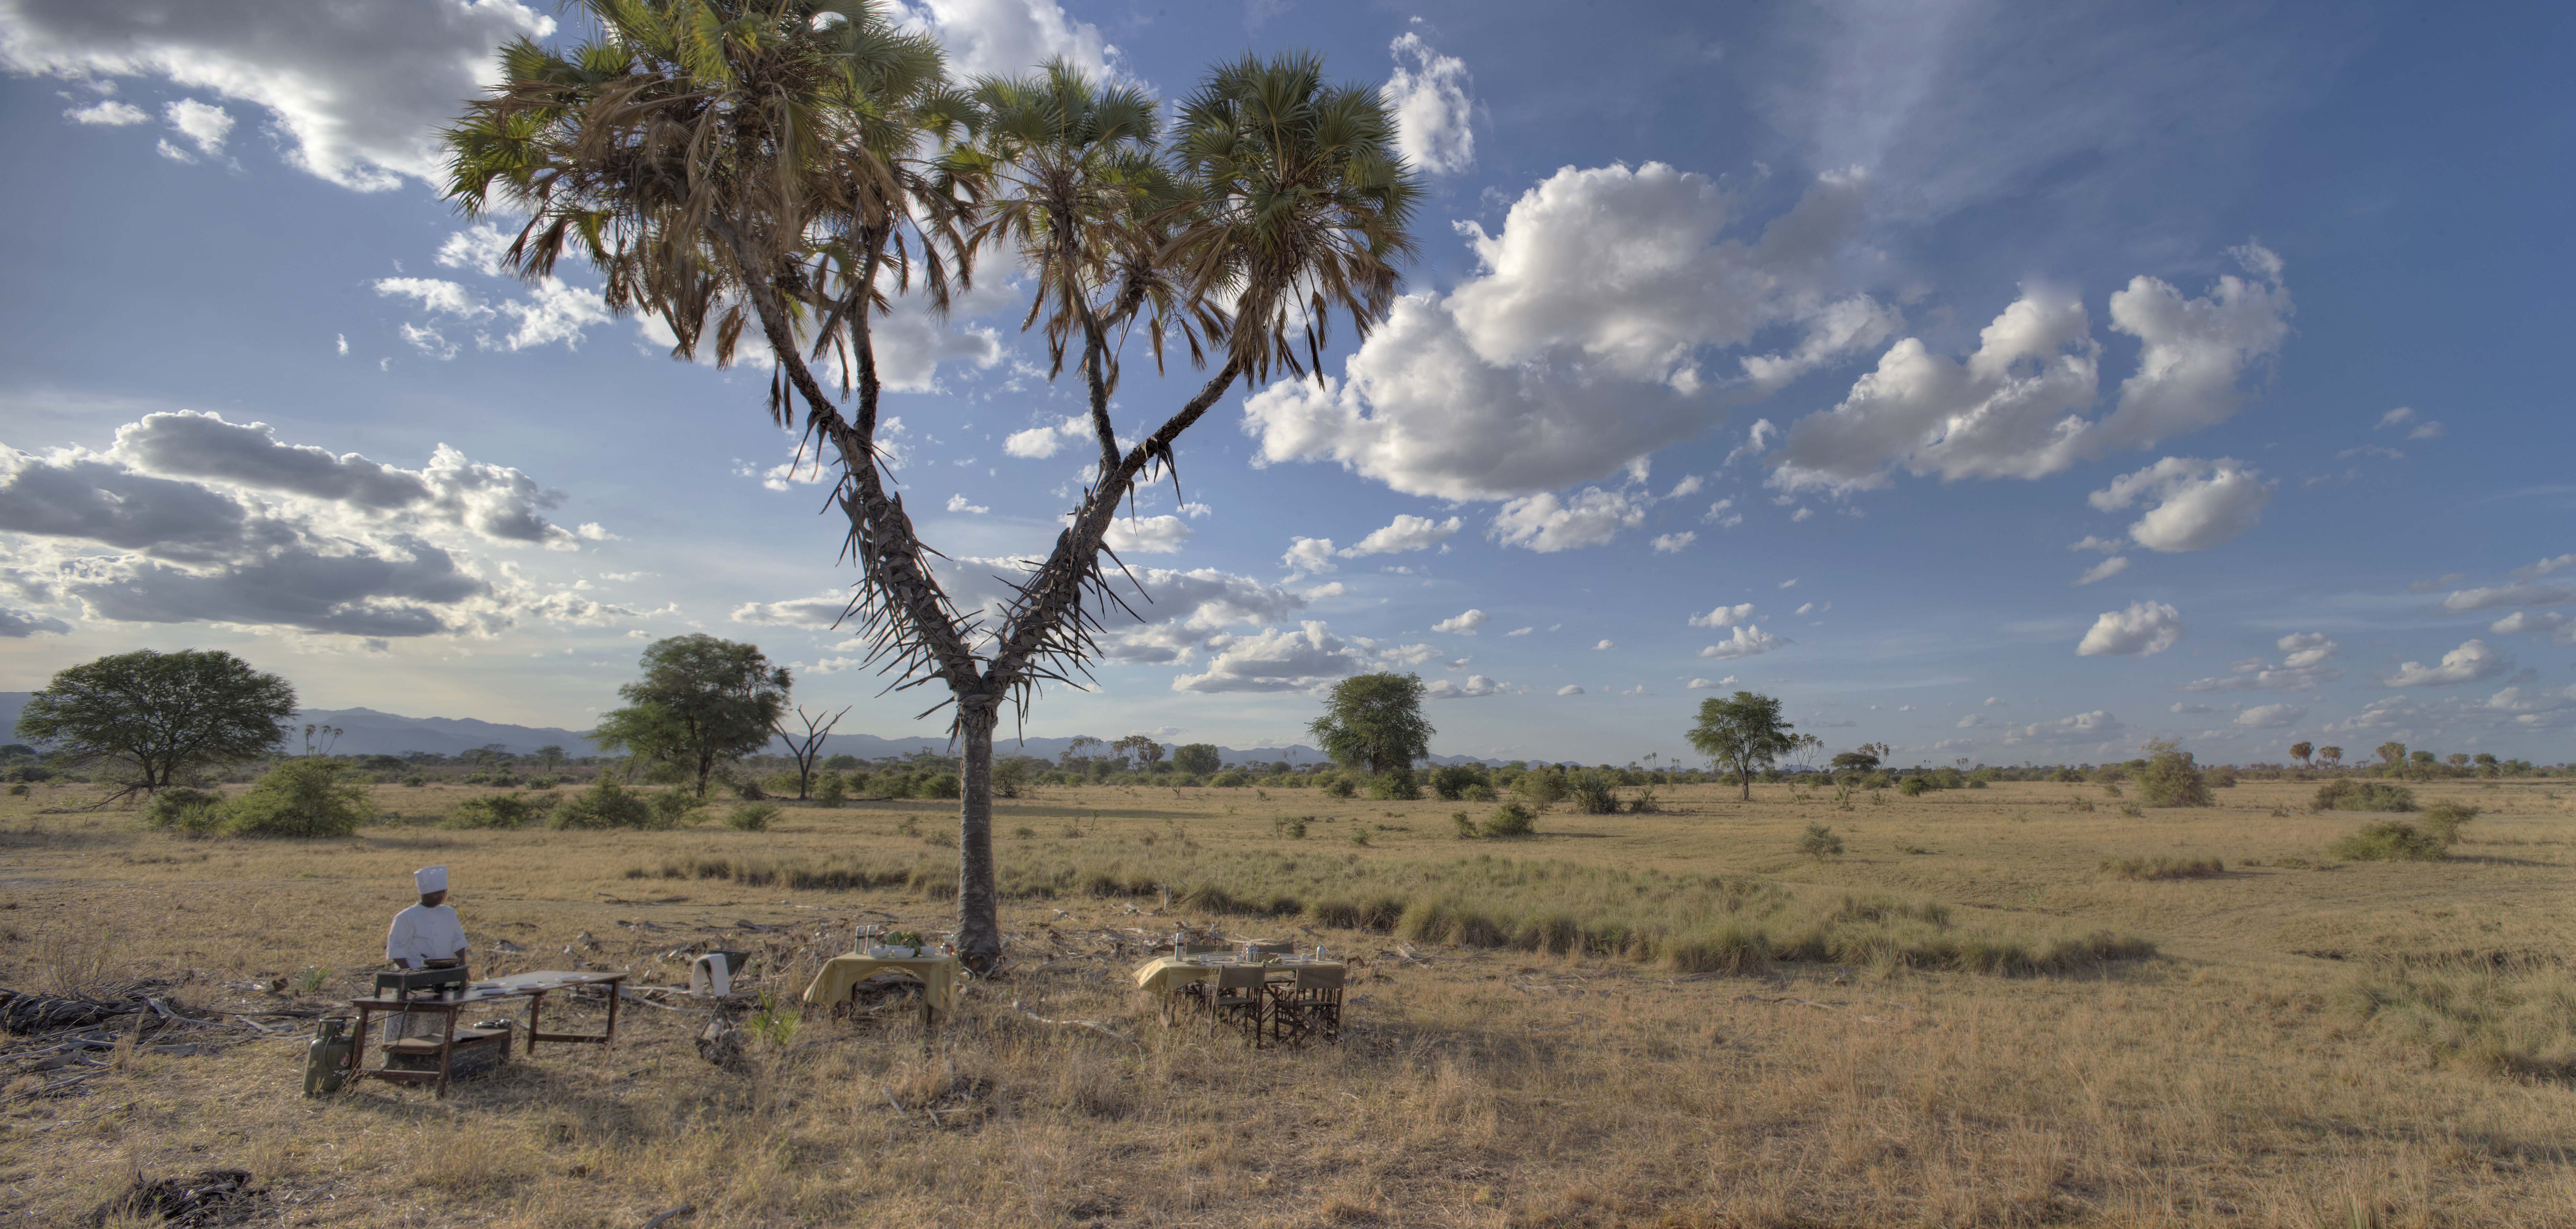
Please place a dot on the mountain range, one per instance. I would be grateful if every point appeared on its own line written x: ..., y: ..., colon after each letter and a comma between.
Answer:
x: 365, y: 731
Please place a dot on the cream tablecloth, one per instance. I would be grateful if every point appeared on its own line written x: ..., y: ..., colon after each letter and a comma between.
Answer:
x: 1165, y: 974
x: 842, y: 974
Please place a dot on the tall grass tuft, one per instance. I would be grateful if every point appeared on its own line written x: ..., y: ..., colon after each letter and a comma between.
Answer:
x: 2515, y: 1019
x: 2161, y: 867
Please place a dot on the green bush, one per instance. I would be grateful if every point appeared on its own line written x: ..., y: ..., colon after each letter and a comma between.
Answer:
x: 2443, y: 820
x: 1510, y: 820
x: 1231, y: 779
x: 415, y: 780
x: 1452, y: 781
x: 1594, y: 792
x: 673, y: 808
x: 830, y: 789
x: 2356, y: 794
x: 2393, y: 841
x: 2171, y: 778
x: 299, y: 798
x: 1819, y: 841
x: 1479, y: 792
x: 1543, y: 785
x: 190, y: 812
x: 1340, y: 786
x: 1914, y: 787
x: 1467, y: 830
x: 1395, y: 785
x: 606, y: 804
x: 511, y: 810
x: 943, y: 785
x: 751, y: 816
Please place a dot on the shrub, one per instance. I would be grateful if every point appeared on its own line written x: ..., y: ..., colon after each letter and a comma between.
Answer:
x: 606, y: 804
x: 190, y: 812
x: 1231, y: 778
x: 1452, y: 781
x: 2163, y: 868
x: 2171, y: 778
x: 673, y: 808
x: 1819, y: 841
x: 2355, y: 794
x: 511, y: 810
x: 1394, y: 785
x: 1914, y: 787
x: 415, y: 780
x: 1466, y: 826
x: 1644, y: 803
x: 2393, y: 841
x: 1594, y: 792
x: 1510, y: 820
x: 1339, y: 786
x: 2443, y: 820
x: 1542, y: 785
x: 1479, y: 792
x: 299, y: 798
x: 751, y: 816
x: 831, y: 789
x: 943, y: 785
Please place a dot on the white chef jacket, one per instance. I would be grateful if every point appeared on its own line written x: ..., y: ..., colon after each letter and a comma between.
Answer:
x: 423, y: 933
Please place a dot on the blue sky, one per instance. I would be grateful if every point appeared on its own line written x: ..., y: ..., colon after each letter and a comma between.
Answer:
x: 1999, y: 382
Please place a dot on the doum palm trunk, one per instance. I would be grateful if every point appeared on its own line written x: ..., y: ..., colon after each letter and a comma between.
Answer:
x: 979, y: 928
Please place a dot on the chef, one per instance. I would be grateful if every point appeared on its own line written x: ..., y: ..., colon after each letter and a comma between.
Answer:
x: 427, y: 935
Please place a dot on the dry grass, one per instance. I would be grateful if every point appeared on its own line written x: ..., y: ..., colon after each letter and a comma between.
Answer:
x: 2366, y: 1043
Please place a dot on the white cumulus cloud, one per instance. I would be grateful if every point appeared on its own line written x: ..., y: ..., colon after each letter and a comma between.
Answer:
x: 2198, y: 504
x: 2016, y: 407
x: 1547, y: 524
x: 1711, y: 684
x: 1724, y: 616
x: 1746, y: 640
x: 1672, y: 543
x: 2472, y: 662
x: 1405, y: 533
x: 1463, y: 624
x: 1427, y: 91
x: 2144, y: 628
x: 2104, y: 570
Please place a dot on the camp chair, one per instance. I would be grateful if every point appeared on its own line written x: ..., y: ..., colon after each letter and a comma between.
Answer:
x: 1193, y: 995
x: 1240, y: 1001
x: 1308, y: 1007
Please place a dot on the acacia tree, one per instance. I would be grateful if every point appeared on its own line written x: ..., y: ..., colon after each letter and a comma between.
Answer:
x: 1374, y: 722
x: 701, y: 702
x: 787, y: 166
x: 2303, y: 753
x: 1743, y: 733
x: 158, y: 715
x: 1141, y: 748
x: 2333, y: 756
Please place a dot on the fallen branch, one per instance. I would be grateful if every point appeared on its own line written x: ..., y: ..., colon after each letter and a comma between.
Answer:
x: 674, y: 1214
x: 1094, y: 1025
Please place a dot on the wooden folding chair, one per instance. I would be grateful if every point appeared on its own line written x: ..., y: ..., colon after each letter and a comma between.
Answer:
x: 1308, y: 1007
x: 1193, y: 995
x: 1240, y: 1001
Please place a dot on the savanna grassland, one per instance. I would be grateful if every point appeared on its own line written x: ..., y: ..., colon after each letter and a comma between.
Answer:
x: 1993, y: 1008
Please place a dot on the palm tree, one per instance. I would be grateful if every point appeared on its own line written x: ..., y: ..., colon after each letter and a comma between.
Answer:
x: 774, y: 163
x: 2301, y: 752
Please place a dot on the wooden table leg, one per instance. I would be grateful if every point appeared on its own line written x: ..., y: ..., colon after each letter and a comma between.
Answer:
x: 358, y: 1047
x: 536, y: 1003
x: 611, y: 1035
x: 446, y: 1051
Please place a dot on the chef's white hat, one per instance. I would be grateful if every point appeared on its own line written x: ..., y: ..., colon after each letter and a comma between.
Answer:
x: 430, y: 879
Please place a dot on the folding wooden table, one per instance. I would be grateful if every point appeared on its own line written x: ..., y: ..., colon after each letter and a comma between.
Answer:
x: 530, y: 986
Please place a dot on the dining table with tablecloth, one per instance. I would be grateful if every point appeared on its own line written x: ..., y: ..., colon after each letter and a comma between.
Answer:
x: 840, y: 976
x: 1167, y: 974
